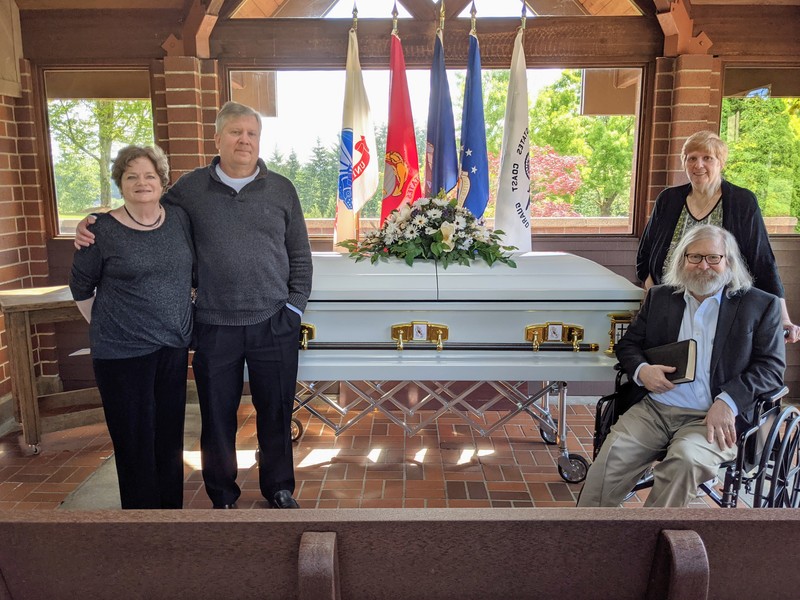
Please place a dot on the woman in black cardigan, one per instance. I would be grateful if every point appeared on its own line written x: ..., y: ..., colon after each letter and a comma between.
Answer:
x: 708, y: 199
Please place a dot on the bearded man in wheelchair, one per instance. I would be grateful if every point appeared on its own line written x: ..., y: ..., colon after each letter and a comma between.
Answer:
x: 708, y: 296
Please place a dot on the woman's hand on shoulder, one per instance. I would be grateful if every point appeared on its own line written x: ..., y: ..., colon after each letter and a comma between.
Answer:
x: 791, y: 332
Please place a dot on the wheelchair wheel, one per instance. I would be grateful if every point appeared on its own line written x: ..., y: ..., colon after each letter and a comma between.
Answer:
x: 785, y: 488
x: 777, y: 482
x: 576, y: 472
x: 297, y: 429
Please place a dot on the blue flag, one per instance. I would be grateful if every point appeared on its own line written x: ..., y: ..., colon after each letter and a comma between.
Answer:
x: 473, y: 181
x: 441, y: 161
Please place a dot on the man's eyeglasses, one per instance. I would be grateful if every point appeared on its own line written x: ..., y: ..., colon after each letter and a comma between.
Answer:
x: 711, y: 259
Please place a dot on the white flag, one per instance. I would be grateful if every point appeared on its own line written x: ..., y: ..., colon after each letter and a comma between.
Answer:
x: 513, y: 210
x: 358, y: 156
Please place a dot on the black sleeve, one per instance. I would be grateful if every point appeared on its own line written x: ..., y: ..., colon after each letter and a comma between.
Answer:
x: 87, y: 269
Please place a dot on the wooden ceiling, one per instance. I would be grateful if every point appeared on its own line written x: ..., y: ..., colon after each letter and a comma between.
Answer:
x: 311, y: 8
x: 56, y: 31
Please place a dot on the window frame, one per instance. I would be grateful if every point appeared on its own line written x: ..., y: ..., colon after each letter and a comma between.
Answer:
x: 641, y: 160
x: 733, y: 63
x: 42, y: 126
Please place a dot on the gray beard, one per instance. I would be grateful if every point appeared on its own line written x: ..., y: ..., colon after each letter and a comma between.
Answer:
x: 706, y: 283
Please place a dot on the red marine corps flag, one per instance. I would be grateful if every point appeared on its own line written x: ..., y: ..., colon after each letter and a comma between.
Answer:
x: 358, y: 161
x: 401, y: 172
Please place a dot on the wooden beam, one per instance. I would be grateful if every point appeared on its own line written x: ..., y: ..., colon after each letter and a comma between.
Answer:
x: 647, y: 7
x: 198, y: 25
x: 741, y: 32
x: 420, y: 9
x: 678, y: 28
x: 76, y: 36
x: 229, y: 7
x: 304, y: 8
x: 549, y: 41
x: 453, y: 8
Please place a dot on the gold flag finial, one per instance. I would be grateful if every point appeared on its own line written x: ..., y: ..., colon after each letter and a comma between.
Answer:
x: 473, y: 20
x: 355, y: 17
x: 524, y: 17
x: 394, y: 18
x: 441, y: 16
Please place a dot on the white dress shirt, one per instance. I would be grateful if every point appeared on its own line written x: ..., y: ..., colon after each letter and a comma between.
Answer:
x: 699, y: 323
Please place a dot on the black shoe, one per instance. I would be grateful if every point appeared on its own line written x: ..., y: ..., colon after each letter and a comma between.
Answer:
x: 232, y: 505
x: 283, y: 499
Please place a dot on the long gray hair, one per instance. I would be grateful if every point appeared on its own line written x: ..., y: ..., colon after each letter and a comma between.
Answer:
x: 739, y: 278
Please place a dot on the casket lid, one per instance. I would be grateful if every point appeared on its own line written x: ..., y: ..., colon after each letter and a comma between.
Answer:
x: 539, y: 276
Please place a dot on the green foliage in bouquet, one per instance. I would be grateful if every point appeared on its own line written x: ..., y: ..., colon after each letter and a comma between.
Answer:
x: 432, y: 228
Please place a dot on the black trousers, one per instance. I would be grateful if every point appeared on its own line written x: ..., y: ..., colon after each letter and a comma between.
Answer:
x: 144, y: 401
x: 270, y: 349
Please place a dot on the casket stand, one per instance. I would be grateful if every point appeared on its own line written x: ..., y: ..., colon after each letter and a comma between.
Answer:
x: 372, y: 333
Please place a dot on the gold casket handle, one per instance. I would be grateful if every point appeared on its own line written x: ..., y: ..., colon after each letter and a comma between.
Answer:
x: 307, y: 332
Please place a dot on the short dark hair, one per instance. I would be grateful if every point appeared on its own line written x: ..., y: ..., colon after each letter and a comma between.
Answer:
x: 130, y: 153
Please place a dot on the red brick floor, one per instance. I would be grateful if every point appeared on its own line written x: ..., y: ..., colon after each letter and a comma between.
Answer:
x: 373, y: 464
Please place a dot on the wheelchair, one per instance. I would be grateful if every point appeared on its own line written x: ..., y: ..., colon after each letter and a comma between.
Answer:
x: 767, y: 464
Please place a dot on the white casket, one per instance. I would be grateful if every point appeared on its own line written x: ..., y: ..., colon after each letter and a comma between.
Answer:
x: 374, y: 330
x: 485, y: 311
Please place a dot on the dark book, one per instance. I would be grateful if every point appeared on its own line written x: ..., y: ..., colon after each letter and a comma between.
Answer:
x: 681, y: 355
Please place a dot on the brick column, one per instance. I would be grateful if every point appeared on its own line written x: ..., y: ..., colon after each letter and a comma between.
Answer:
x: 23, y: 255
x: 687, y: 100
x: 190, y: 104
x: 692, y: 106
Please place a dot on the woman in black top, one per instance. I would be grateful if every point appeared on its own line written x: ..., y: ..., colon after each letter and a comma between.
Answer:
x: 709, y: 199
x: 134, y: 287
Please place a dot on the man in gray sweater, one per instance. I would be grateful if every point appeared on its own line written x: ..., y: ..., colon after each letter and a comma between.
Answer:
x: 253, y: 282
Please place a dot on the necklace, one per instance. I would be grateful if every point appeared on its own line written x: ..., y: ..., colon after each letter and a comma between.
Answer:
x: 153, y: 224
x: 707, y: 203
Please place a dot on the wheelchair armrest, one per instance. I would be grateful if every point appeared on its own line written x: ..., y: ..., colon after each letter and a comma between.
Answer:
x: 766, y: 404
x: 769, y: 399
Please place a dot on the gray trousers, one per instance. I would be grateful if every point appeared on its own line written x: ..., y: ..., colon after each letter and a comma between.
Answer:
x: 641, y: 436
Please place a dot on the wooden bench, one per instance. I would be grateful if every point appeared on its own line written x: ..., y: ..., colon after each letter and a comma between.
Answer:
x: 400, y: 554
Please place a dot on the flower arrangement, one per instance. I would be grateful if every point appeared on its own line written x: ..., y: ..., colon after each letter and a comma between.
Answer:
x: 432, y: 228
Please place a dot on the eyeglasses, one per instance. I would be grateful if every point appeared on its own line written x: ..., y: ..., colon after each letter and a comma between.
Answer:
x: 711, y: 259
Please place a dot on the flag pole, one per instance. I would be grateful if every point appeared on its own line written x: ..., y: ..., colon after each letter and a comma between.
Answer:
x: 524, y: 17
x: 356, y: 213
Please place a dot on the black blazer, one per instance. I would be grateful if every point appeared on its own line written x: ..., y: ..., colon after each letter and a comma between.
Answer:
x: 740, y: 215
x: 749, y: 354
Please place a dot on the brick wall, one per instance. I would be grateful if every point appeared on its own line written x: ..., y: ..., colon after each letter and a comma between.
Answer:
x: 187, y: 101
x: 687, y: 100
x: 23, y: 256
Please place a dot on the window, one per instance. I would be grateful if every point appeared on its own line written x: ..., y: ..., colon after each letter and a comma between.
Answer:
x: 761, y: 124
x: 91, y: 115
x: 583, y: 136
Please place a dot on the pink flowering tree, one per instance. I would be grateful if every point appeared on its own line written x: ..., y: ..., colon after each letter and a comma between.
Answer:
x: 554, y: 181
